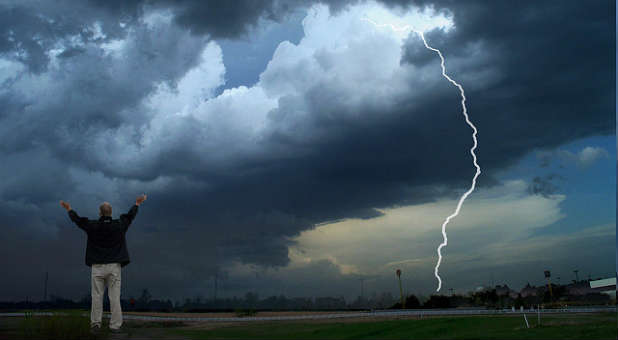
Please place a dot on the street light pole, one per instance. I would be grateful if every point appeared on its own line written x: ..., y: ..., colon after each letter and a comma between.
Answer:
x: 403, y: 302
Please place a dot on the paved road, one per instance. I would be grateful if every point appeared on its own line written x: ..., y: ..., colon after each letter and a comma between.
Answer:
x: 375, y: 313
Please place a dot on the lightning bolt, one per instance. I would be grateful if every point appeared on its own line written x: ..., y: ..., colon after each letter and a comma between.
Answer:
x: 465, y: 113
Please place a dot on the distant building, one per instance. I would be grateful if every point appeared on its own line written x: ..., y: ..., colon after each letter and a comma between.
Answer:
x: 578, y: 288
x: 528, y: 290
x: 505, y: 290
x: 330, y: 303
x: 605, y: 286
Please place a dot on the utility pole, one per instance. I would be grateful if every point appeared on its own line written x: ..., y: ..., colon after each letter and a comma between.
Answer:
x: 216, y: 274
x: 548, y: 275
x: 45, y: 291
x: 362, y: 292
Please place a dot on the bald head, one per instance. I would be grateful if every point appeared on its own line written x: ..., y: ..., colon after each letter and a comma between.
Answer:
x: 105, y: 209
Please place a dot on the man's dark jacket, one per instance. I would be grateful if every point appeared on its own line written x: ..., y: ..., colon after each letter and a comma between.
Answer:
x: 106, y: 241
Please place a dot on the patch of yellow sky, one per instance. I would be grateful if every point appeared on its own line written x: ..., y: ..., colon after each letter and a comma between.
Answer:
x: 408, y: 236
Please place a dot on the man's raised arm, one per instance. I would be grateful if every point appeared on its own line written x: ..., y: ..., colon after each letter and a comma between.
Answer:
x: 127, y: 218
x: 81, y: 222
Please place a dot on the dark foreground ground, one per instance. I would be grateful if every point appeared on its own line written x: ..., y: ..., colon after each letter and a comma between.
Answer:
x: 567, y: 326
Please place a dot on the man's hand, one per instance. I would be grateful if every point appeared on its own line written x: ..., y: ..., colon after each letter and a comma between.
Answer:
x: 65, y: 205
x: 140, y: 199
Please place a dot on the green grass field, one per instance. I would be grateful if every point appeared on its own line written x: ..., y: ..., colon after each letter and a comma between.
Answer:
x: 72, y: 325
x: 599, y: 326
x: 565, y: 326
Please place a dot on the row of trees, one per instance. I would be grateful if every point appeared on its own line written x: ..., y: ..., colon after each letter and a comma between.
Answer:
x: 488, y: 298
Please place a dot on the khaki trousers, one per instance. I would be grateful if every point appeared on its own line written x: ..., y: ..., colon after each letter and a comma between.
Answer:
x: 106, y: 275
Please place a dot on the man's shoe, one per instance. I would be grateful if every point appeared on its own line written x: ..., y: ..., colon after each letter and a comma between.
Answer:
x: 95, y: 329
x: 115, y: 330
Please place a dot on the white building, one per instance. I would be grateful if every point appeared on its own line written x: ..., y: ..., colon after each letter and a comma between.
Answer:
x: 605, y: 286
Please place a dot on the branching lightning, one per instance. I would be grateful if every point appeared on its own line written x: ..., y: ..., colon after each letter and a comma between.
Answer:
x: 465, y: 113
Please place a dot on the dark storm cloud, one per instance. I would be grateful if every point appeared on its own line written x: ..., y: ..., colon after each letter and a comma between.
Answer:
x: 543, y: 89
x: 548, y: 84
x: 29, y: 29
x: 226, y: 19
x: 536, y: 80
x: 217, y: 19
x: 94, y: 90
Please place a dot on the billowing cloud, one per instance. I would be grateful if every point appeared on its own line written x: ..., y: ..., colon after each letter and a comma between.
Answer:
x: 583, y: 159
x: 591, y: 154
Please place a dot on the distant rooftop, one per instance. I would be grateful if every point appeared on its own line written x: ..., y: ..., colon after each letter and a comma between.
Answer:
x: 604, y: 283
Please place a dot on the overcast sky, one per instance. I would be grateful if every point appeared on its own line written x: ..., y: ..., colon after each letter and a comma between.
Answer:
x: 293, y: 147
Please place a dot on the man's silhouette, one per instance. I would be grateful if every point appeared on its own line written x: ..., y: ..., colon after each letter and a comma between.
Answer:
x: 106, y: 254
